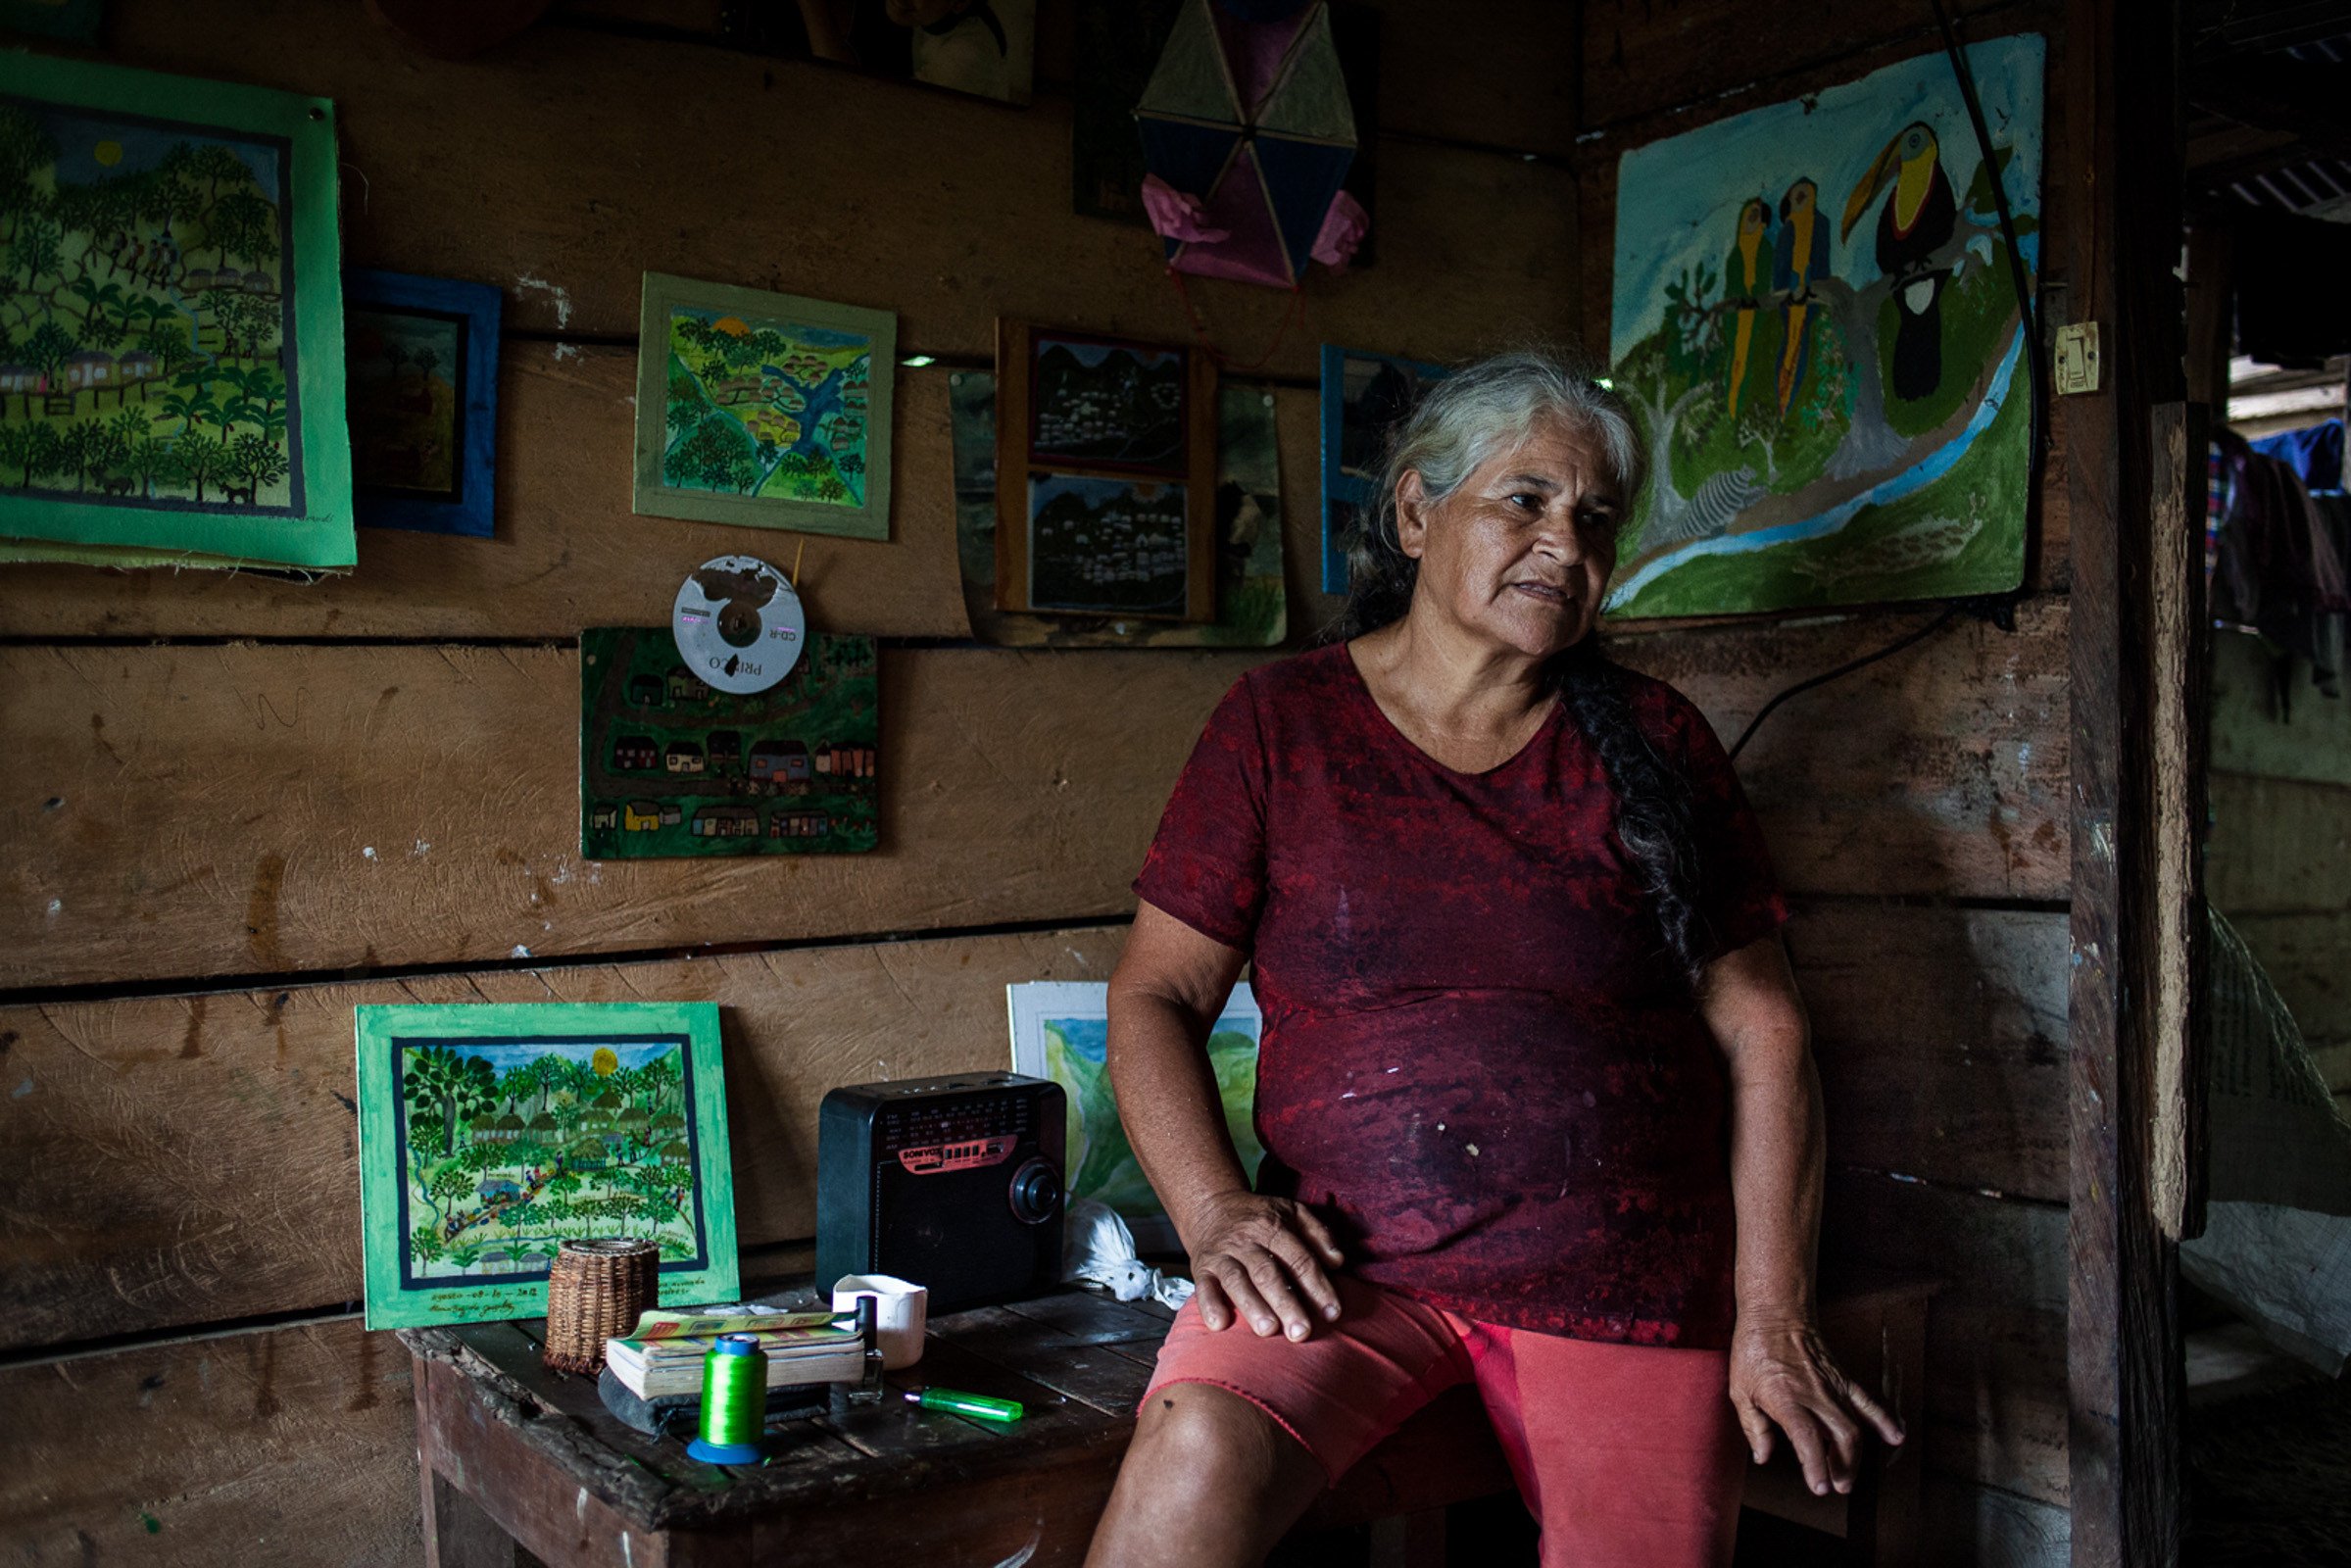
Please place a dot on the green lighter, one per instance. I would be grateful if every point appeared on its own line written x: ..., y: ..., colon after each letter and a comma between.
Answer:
x: 962, y: 1403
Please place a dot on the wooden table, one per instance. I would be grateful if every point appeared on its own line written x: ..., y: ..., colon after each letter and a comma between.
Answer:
x: 514, y: 1454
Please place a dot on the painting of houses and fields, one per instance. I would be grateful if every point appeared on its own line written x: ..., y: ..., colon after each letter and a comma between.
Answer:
x: 672, y: 766
x: 762, y: 408
x: 151, y: 348
x: 491, y: 1135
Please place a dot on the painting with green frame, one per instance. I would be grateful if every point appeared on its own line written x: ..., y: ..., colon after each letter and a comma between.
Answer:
x: 169, y: 244
x: 491, y: 1133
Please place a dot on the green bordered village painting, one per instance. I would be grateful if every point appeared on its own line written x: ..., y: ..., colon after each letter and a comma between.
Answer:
x: 499, y: 1133
x: 769, y: 410
x: 1061, y: 1030
x: 153, y: 358
x: 670, y: 766
x: 1817, y: 325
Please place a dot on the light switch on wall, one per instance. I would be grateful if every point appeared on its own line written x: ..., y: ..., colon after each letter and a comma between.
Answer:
x: 2077, y: 368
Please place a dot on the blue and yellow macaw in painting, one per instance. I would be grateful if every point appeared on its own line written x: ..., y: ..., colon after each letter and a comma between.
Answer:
x: 1744, y: 287
x: 1916, y: 223
x: 1800, y: 261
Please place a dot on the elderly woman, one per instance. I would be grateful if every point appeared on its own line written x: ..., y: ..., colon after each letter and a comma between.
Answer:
x: 1534, y: 1092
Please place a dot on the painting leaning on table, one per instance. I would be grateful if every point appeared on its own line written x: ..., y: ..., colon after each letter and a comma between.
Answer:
x: 490, y: 1134
x: 1061, y: 1030
x: 1816, y: 324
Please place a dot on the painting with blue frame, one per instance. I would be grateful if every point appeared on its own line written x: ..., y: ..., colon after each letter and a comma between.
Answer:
x: 1363, y: 395
x: 422, y: 354
x: 1817, y: 324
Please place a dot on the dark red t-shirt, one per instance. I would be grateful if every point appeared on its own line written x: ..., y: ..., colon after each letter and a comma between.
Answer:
x: 1478, y: 1060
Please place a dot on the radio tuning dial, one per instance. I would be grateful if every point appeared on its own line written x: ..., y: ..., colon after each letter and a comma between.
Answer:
x: 1035, y: 1192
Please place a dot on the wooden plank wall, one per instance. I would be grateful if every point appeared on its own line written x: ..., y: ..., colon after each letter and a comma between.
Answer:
x: 2279, y: 860
x: 1935, y: 968
x: 237, y: 806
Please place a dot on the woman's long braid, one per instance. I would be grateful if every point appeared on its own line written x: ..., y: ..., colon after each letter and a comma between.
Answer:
x: 1654, y: 817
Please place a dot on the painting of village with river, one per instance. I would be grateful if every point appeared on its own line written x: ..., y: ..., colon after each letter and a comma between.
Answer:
x: 1817, y: 326
x: 148, y: 328
x: 671, y: 766
x: 490, y: 1134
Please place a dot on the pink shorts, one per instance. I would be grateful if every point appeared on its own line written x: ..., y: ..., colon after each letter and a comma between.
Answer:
x: 1628, y: 1455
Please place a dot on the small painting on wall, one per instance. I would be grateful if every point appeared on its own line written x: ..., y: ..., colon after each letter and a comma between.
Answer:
x: 1363, y: 396
x: 173, y: 391
x: 1061, y: 1030
x: 763, y: 410
x: 422, y: 358
x: 1105, y: 476
x: 672, y: 767
x: 492, y: 1133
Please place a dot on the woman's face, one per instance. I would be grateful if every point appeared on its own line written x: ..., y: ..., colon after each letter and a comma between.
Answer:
x: 1519, y: 554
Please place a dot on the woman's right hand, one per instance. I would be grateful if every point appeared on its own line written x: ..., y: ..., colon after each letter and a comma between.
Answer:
x: 1261, y: 1260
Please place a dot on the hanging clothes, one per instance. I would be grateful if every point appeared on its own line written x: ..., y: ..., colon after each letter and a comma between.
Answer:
x: 2279, y: 567
x: 2314, y: 453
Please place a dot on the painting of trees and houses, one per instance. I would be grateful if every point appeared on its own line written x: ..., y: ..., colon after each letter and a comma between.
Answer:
x: 671, y: 766
x: 508, y: 1148
x: 759, y: 407
x: 147, y: 320
x: 1816, y: 324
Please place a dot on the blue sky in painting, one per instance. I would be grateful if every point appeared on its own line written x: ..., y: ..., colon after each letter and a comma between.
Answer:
x: 507, y: 1055
x: 1678, y: 200
x: 77, y: 134
x: 1089, y: 1038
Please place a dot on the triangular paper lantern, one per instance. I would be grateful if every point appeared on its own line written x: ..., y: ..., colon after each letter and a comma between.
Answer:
x: 1256, y: 88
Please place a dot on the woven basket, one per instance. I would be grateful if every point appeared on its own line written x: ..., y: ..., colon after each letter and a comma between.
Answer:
x: 597, y: 1291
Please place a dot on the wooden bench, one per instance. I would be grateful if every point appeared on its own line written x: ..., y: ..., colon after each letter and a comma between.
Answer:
x: 514, y: 1454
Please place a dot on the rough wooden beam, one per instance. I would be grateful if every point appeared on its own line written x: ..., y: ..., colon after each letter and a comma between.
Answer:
x: 2124, y: 1357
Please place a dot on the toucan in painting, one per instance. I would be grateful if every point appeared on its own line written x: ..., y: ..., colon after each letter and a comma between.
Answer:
x: 1915, y: 224
x: 1800, y: 261
x: 1744, y: 287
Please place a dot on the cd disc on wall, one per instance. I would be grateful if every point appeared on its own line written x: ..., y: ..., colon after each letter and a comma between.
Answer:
x: 739, y: 624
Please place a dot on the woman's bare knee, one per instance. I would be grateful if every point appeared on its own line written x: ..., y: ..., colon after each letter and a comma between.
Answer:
x: 1210, y: 1479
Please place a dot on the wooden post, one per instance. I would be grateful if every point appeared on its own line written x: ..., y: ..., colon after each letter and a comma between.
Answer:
x: 2121, y: 166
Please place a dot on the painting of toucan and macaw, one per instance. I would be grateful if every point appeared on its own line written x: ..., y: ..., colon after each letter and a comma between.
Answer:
x: 1816, y: 324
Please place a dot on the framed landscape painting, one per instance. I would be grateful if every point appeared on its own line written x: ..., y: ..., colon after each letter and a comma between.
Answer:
x: 171, y: 322
x: 423, y: 356
x: 1061, y: 1030
x: 763, y: 410
x: 1105, y: 476
x: 492, y: 1133
x: 1363, y: 396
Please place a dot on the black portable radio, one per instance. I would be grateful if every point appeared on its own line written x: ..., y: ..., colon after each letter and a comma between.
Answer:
x: 953, y: 1184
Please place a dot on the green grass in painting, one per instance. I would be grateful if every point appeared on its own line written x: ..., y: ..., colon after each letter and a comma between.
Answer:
x: 755, y: 409
x: 1098, y: 1152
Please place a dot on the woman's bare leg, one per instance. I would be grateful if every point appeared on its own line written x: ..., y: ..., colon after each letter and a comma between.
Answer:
x: 1210, y: 1482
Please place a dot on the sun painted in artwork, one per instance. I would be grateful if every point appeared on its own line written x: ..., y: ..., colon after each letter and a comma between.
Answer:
x: 145, y: 315
x: 769, y: 409
x: 508, y: 1148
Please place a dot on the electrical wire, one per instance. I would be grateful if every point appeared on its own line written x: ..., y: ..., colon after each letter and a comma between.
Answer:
x: 1866, y: 659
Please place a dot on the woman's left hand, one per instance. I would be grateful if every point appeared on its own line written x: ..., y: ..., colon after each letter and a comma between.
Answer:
x: 1781, y: 1374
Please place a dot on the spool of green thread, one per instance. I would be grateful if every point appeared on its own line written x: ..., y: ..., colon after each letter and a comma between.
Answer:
x: 734, y: 1402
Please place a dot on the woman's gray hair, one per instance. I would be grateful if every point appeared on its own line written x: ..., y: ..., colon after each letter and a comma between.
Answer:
x: 1488, y: 407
